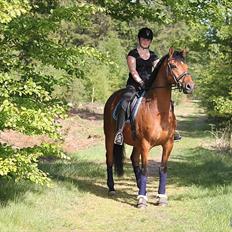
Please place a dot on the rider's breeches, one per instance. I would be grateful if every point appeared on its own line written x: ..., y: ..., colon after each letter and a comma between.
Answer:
x: 121, y: 120
x: 128, y: 94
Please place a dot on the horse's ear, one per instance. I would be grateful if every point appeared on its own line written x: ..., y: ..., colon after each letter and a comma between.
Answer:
x: 184, y: 52
x: 171, y: 51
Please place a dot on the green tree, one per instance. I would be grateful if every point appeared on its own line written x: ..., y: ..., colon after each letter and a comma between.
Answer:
x: 33, y: 64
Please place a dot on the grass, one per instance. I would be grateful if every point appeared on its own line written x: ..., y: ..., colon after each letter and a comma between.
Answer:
x: 199, y: 189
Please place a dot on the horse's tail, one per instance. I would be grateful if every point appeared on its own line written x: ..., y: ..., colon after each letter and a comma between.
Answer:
x: 119, y: 154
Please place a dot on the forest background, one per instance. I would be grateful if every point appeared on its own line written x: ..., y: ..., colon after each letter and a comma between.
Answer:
x: 60, y: 53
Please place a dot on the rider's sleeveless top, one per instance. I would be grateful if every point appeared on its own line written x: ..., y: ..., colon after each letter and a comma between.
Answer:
x: 143, y: 67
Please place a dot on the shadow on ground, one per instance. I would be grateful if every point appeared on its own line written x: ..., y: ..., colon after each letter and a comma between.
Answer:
x: 194, y: 126
x: 200, y: 167
x: 90, y: 177
x: 13, y: 191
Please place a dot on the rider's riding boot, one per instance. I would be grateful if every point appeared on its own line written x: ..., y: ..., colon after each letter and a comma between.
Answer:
x: 120, y: 125
x: 177, y: 136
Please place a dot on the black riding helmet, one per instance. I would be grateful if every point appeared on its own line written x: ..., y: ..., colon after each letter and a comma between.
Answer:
x: 145, y: 33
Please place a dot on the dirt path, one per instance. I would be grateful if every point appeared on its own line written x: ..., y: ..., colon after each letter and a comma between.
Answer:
x: 80, y: 130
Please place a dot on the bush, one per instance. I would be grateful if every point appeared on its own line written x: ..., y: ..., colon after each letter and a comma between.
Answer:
x: 223, y: 138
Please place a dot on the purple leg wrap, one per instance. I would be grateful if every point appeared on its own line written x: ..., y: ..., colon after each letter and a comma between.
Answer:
x: 110, y: 180
x: 162, y: 180
x: 143, y: 185
x: 137, y: 172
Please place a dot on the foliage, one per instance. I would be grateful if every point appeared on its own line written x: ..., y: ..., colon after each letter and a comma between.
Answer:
x: 215, y: 91
x: 102, y: 80
x: 128, y: 10
x: 12, y: 9
x: 33, y: 65
x: 18, y: 164
x: 223, y: 138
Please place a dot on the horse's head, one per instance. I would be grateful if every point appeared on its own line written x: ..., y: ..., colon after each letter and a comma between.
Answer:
x: 177, y: 71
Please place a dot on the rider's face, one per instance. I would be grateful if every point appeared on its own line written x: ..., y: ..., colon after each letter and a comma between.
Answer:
x: 144, y: 43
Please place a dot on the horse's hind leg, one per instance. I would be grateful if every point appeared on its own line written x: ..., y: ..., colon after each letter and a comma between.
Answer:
x: 109, y: 163
x: 135, y: 156
x: 162, y: 197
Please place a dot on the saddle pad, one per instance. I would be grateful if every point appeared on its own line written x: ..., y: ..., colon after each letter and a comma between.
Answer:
x: 132, y: 108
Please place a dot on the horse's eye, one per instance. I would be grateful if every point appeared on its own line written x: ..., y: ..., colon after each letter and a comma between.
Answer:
x: 173, y: 65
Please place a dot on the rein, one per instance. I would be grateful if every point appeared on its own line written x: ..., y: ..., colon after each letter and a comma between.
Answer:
x: 177, y: 79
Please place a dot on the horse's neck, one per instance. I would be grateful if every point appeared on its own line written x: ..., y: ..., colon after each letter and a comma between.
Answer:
x: 160, y: 92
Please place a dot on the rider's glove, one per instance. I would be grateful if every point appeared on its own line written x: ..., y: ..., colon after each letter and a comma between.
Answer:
x: 142, y: 84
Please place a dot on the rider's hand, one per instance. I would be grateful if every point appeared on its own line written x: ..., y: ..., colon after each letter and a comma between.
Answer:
x: 142, y: 84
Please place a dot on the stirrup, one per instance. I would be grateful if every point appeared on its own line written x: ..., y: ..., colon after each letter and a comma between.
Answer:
x: 118, y: 138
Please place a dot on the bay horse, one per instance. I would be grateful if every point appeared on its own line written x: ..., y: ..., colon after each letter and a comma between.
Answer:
x: 155, y: 125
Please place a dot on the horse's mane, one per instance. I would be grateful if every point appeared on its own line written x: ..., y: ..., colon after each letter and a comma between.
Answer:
x: 157, y: 68
x: 176, y: 55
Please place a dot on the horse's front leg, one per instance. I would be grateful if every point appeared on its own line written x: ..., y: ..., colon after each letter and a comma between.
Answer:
x: 161, y: 199
x: 142, y: 194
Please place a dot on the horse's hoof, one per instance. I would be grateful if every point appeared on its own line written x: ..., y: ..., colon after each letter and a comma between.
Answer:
x: 111, y: 193
x: 142, y: 202
x: 161, y: 200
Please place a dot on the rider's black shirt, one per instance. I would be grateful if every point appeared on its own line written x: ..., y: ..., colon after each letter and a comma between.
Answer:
x: 143, y: 67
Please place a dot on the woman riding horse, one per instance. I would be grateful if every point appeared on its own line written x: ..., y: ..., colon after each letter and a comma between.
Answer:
x: 141, y: 62
x: 155, y: 124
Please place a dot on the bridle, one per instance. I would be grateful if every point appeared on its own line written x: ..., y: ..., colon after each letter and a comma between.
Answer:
x: 178, y: 83
x: 177, y: 79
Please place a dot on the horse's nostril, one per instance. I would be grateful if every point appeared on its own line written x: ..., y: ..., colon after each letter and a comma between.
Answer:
x: 188, y: 87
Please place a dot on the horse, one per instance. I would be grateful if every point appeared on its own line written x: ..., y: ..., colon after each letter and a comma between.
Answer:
x: 155, y: 125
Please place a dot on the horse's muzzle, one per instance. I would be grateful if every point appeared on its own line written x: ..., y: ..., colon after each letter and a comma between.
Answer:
x: 188, y: 88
